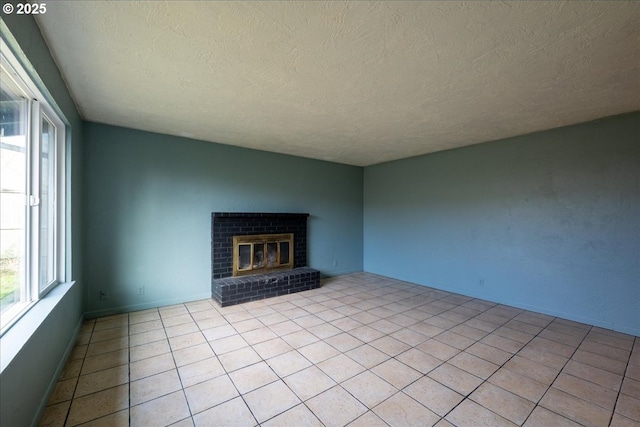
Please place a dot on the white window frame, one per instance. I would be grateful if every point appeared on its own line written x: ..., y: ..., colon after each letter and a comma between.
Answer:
x: 38, y: 107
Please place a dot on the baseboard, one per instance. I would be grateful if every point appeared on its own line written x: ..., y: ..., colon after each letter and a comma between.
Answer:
x: 54, y: 380
x: 627, y: 329
x: 144, y: 306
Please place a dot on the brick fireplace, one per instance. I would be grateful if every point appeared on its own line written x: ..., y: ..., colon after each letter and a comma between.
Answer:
x: 229, y: 290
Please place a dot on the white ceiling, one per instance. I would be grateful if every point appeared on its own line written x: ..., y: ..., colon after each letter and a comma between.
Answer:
x: 352, y: 82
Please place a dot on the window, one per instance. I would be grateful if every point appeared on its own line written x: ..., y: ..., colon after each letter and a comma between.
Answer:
x: 32, y: 187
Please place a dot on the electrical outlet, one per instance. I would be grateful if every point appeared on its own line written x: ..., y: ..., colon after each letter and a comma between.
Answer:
x: 104, y: 295
x: 141, y: 290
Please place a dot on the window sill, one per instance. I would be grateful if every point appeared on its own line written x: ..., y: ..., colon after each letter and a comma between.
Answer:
x: 17, y: 336
x: 13, y: 314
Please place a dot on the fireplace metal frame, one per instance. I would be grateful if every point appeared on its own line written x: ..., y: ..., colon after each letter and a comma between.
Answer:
x: 264, y: 239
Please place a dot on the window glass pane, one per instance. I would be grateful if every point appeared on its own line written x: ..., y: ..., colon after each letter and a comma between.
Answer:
x: 258, y: 255
x: 13, y: 185
x: 272, y: 254
x: 244, y: 257
x: 284, y: 252
x: 47, y: 204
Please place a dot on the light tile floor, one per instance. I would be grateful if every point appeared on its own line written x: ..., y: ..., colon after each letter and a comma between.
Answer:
x: 363, y: 350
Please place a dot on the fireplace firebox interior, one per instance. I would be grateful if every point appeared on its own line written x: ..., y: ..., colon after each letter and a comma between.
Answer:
x: 262, y: 252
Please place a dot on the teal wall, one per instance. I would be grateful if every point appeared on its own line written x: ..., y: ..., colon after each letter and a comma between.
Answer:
x: 27, y: 378
x: 548, y: 221
x: 149, y: 199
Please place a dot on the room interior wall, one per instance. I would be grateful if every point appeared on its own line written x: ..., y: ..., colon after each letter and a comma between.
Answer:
x: 546, y: 221
x: 47, y: 332
x: 149, y: 199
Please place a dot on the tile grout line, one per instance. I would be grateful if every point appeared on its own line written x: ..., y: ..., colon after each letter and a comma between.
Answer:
x: 79, y: 374
x: 468, y: 396
x: 537, y: 404
x: 240, y: 395
x: 422, y: 375
x: 182, y: 388
x: 624, y: 375
x: 302, y: 402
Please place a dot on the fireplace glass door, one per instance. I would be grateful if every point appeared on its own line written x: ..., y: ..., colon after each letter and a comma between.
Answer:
x: 258, y: 253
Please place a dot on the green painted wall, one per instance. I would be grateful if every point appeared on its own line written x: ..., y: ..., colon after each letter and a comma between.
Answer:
x: 149, y: 199
x: 548, y: 221
x: 27, y: 379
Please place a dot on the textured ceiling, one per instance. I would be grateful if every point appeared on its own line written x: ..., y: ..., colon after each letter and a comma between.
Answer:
x: 351, y: 82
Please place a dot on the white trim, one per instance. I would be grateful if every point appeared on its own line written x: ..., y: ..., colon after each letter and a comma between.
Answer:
x: 33, y: 208
x: 60, y: 179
